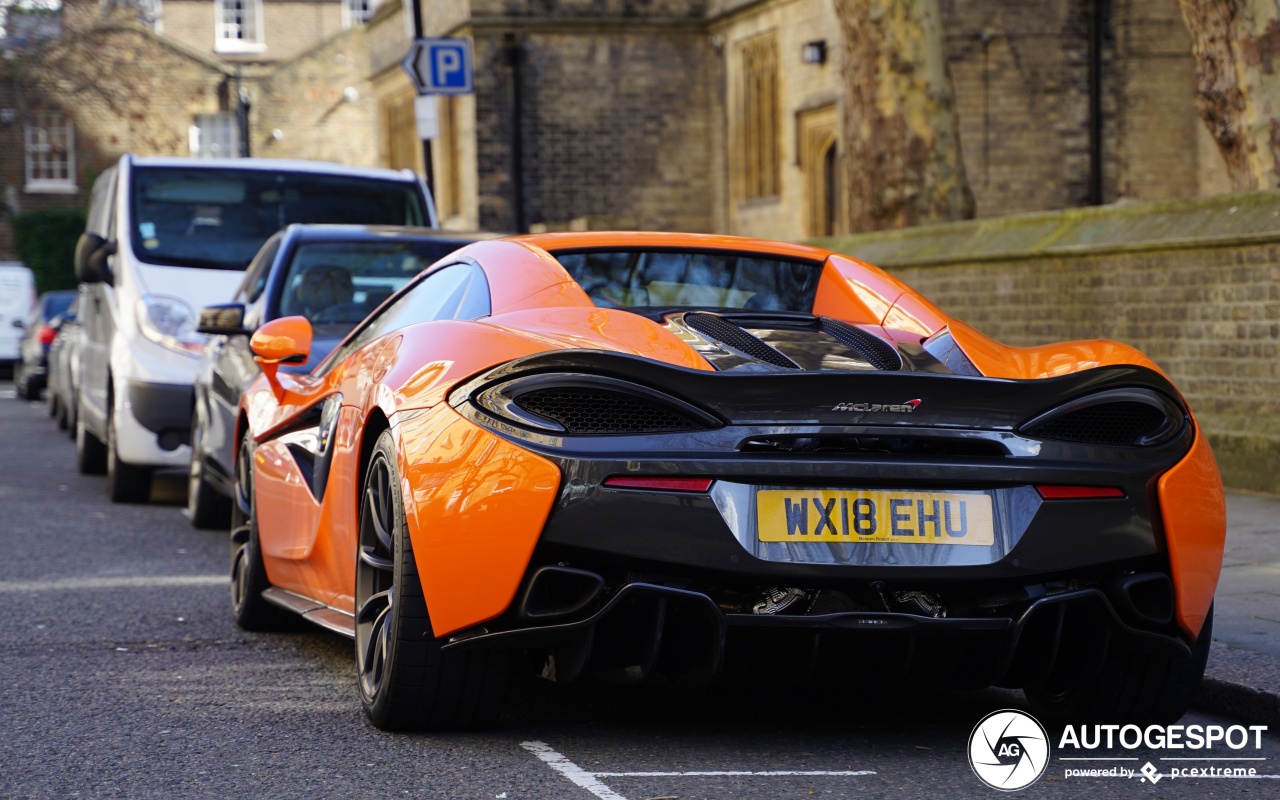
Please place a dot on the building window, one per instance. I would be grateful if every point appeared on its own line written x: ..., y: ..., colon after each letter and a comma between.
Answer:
x: 760, y: 117
x: 356, y: 12
x: 238, y: 27
x: 215, y: 136
x: 50, y: 152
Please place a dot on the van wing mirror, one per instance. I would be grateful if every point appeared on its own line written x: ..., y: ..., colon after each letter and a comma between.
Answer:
x: 91, y: 259
x: 226, y: 319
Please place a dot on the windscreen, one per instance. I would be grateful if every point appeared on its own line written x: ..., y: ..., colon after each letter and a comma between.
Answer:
x: 698, y: 279
x: 218, y: 218
x: 337, y: 284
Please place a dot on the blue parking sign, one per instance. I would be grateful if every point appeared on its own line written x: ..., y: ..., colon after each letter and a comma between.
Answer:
x: 440, y: 66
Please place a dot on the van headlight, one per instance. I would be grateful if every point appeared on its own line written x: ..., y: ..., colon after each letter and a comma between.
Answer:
x: 169, y: 322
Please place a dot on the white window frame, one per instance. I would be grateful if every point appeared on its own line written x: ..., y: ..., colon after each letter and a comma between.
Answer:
x: 357, y: 12
x: 41, y: 155
x: 245, y: 36
x: 226, y: 130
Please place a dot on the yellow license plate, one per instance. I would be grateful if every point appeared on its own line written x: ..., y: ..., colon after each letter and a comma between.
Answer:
x: 827, y: 515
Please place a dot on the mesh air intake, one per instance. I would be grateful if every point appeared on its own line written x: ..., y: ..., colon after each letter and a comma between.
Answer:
x: 1120, y: 423
x: 740, y: 339
x: 600, y: 411
x: 874, y: 350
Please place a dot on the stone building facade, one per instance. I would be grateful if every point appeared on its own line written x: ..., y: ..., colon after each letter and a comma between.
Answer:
x: 724, y: 115
x: 284, y: 78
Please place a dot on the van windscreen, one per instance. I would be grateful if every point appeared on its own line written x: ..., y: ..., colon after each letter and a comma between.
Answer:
x: 218, y: 218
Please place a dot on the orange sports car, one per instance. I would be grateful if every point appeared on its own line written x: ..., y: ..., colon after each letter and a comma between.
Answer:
x: 666, y: 456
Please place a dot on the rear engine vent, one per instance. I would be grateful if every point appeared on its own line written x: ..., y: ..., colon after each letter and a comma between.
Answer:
x: 740, y: 339
x: 1118, y: 423
x: 877, y: 352
x: 874, y: 445
x: 590, y: 410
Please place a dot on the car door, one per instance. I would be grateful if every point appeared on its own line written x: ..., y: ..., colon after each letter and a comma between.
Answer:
x: 306, y: 466
x: 98, y: 313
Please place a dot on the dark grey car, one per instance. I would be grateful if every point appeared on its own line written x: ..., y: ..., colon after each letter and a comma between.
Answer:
x: 334, y: 275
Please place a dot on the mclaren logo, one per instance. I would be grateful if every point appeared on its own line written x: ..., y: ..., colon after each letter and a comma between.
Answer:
x: 890, y: 408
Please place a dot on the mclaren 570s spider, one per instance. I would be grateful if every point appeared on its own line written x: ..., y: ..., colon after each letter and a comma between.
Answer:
x: 644, y: 456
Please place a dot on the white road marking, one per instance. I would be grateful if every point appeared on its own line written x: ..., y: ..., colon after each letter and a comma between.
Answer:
x: 571, y: 770
x: 591, y: 780
x: 737, y: 772
x: 141, y: 582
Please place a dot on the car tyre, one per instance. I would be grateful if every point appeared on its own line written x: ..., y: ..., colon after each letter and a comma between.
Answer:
x: 206, y: 507
x: 1133, y: 687
x: 252, y: 611
x: 406, y: 680
x: 91, y: 453
x: 126, y: 483
x: 23, y: 384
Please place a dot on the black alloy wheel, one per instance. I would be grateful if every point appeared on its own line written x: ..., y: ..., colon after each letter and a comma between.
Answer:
x: 406, y: 680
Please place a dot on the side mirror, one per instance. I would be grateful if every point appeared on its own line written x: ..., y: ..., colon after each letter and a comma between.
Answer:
x: 91, y: 258
x: 226, y: 319
x: 281, y: 341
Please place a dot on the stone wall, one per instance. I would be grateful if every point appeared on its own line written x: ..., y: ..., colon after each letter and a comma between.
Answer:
x: 319, y: 105
x: 1194, y: 284
x: 613, y: 132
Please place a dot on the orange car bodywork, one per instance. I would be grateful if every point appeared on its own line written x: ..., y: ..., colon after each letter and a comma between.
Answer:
x: 476, y: 503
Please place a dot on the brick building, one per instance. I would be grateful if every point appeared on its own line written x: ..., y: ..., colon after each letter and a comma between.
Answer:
x: 208, y: 78
x: 724, y: 114
x: 719, y: 115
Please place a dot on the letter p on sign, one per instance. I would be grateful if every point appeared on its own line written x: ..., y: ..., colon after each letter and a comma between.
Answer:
x: 440, y: 66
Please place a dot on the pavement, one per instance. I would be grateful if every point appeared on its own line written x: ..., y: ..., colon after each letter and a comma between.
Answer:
x: 1242, y: 679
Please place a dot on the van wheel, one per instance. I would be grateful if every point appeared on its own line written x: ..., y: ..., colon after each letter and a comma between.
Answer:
x: 91, y: 454
x: 126, y: 483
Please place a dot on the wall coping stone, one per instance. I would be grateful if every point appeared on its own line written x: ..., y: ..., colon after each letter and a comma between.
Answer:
x: 1218, y: 221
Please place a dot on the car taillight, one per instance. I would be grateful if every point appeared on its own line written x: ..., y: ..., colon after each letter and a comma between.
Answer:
x: 47, y: 335
x: 1078, y: 492
x: 659, y: 483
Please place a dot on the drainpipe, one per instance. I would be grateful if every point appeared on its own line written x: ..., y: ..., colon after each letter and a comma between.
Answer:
x: 515, y: 96
x: 1099, y: 23
x: 242, y: 115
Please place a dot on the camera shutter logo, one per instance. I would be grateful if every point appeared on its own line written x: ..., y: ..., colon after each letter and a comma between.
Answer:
x: 1008, y: 750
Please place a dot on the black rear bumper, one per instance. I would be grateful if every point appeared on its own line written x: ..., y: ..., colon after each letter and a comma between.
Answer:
x: 646, y: 631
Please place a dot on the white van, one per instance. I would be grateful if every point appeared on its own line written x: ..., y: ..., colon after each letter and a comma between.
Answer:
x: 17, y: 298
x: 165, y: 237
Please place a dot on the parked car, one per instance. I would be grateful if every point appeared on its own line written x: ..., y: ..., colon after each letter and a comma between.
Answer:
x: 164, y: 237
x: 30, y: 372
x: 333, y: 275
x: 64, y: 367
x: 664, y: 456
x: 17, y: 298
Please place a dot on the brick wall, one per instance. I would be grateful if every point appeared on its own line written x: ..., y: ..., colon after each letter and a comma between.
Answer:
x: 289, y: 27
x: 307, y: 100
x: 614, y: 128
x: 1193, y: 284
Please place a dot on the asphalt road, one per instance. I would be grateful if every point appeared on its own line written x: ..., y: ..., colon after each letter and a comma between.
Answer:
x: 124, y: 676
